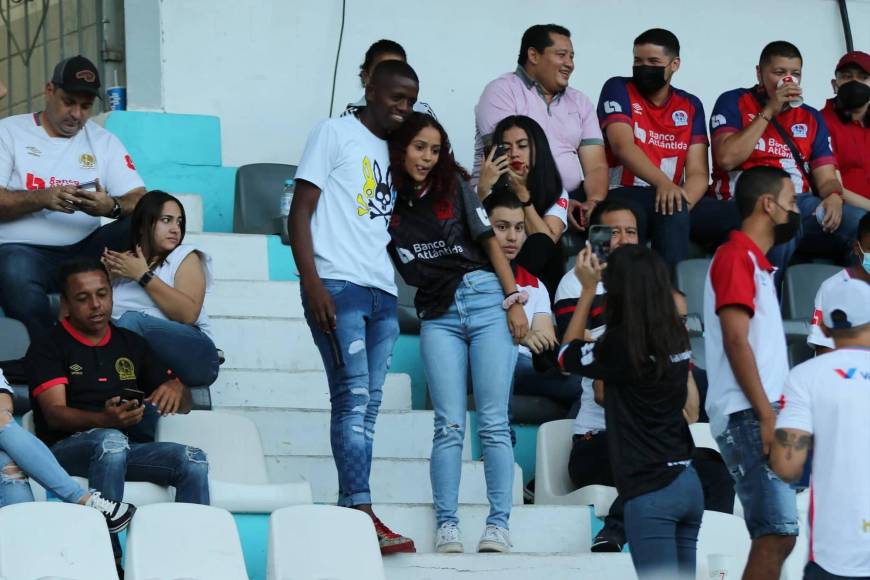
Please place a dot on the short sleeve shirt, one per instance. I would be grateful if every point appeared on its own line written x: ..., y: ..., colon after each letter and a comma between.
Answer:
x: 435, y: 242
x: 4, y: 384
x: 740, y: 275
x: 91, y: 373
x: 30, y: 159
x: 829, y: 396
x: 538, y: 302
x: 850, y: 143
x: 569, y: 120
x: 735, y: 109
x: 816, y: 336
x: 351, y: 167
x: 664, y: 133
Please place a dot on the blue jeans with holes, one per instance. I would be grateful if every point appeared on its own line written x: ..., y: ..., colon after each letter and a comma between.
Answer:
x: 184, y: 348
x: 367, y: 327
x: 28, y: 273
x: 769, y: 505
x: 662, y: 528
x: 472, y: 333
x: 107, y: 459
x: 34, y: 460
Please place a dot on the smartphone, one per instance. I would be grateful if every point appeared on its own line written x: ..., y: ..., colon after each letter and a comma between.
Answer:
x: 503, y: 181
x: 599, y: 240
x: 337, y: 359
x: 88, y: 186
x: 132, y: 395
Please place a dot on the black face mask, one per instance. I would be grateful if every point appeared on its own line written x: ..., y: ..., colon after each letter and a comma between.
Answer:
x: 647, y: 78
x: 784, y: 232
x: 852, y: 95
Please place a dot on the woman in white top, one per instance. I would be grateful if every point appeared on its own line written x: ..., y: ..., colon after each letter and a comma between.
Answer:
x: 159, y: 288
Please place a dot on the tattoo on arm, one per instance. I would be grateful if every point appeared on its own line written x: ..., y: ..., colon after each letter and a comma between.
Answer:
x: 792, y: 442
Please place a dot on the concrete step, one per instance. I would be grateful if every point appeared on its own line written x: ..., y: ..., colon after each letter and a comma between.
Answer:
x: 509, y: 566
x: 294, y: 390
x: 266, y: 343
x: 392, y: 480
x: 255, y: 298
x: 398, y: 434
x: 235, y: 256
x: 567, y: 527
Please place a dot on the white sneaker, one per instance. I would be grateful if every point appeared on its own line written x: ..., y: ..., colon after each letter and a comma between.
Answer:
x: 447, y: 539
x: 494, y: 539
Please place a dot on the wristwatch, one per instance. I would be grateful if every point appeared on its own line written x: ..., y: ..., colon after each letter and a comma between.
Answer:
x: 146, y: 278
x: 116, y: 209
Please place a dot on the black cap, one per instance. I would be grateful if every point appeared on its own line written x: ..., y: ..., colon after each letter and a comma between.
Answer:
x: 76, y: 75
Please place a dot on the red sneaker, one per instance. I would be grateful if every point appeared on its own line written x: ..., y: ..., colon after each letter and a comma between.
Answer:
x: 391, y: 542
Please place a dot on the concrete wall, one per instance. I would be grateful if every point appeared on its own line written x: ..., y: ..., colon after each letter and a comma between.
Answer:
x: 265, y: 66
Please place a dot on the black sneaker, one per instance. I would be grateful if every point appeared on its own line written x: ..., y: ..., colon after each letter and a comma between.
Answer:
x: 607, y: 540
x: 118, y: 513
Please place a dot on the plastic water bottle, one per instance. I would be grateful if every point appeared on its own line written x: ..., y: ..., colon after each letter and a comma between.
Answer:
x: 286, y: 198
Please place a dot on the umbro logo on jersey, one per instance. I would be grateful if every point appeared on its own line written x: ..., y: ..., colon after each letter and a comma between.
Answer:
x: 75, y: 369
x: 799, y: 130
x: 637, y: 108
x: 612, y: 107
x: 681, y: 118
x: 33, y: 151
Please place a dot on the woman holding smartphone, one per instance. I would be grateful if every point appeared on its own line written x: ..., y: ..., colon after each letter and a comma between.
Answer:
x: 159, y: 288
x: 641, y: 367
x: 472, y: 316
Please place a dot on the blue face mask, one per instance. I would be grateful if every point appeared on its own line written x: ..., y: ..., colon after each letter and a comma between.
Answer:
x: 866, y: 262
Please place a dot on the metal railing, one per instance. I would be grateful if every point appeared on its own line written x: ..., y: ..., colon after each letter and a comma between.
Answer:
x: 37, y: 34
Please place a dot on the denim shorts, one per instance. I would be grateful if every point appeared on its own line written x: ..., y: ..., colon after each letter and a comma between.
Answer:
x: 769, y: 505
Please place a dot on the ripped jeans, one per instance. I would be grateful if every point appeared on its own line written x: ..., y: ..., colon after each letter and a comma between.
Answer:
x: 32, y: 459
x: 366, y: 329
x: 107, y: 459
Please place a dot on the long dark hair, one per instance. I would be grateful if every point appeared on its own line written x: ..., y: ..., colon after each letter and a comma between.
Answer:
x: 544, y: 182
x: 640, y: 301
x: 145, y: 215
x: 442, y: 179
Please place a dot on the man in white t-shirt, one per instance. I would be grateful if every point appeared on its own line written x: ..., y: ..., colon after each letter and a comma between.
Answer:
x: 747, y: 363
x: 338, y: 232
x: 826, y: 403
x: 59, y: 174
x: 859, y: 271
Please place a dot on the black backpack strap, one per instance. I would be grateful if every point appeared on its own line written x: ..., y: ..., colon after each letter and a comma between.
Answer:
x: 795, y: 153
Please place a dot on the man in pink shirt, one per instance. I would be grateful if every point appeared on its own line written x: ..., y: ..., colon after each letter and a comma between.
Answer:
x: 539, y: 89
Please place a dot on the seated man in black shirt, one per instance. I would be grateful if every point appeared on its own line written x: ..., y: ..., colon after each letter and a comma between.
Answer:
x: 84, y: 375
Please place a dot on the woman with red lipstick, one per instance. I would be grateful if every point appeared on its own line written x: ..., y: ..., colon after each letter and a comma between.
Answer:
x: 472, y: 317
x: 159, y: 288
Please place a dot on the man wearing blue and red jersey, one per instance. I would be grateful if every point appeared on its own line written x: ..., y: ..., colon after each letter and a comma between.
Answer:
x: 656, y: 143
x: 744, y: 134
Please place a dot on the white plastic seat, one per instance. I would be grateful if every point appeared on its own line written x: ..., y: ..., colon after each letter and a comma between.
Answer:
x: 55, y: 539
x: 553, y: 485
x: 703, y: 437
x: 183, y: 540
x: 238, y: 480
x: 793, y: 568
x: 722, y: 534
x: 303, y: 541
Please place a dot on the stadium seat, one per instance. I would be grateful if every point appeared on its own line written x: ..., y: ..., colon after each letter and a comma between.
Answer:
x: 258, y: 193
x: 691, y: 276
x: 793, y: 569
x: 303, y: 541
x: 183, y: 540
x: 725, y: 535
x: 699, y: 350
x: 553, y: 485
x: 54, y: 540
x: 799, y: 351
x: 14, y: 341
x: 703, y: 437
x: 802, y: 281
x: 237, y: 468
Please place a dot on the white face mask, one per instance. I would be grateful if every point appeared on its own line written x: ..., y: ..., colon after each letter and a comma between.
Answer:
x: 866, y: 261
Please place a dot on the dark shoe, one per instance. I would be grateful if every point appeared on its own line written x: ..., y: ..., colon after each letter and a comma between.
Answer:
x: 117, y: 513
x: 608, y: 540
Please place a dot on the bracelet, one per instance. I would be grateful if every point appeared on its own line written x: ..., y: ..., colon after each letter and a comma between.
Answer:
x: 146, y: 278
x: 520, y: 296
x: 761, y: 114
x: 527, y: 203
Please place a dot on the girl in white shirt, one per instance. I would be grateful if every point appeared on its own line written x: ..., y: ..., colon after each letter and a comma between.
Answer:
x: 159, y: 287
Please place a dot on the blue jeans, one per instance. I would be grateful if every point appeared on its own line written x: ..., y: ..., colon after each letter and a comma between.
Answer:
x: 367, y: 326
x: 813, y: 571
x: 552, y: 384
x: 184, y: 348
x: 35, y: 460
x: 769, y: 505
x: 473, y: 332
x: 662, y: 528
x: 669, y: 234
x: 29, y: 273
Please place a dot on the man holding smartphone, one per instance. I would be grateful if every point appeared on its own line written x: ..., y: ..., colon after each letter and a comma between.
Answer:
x: 59, y: 174
x: 97, y: 392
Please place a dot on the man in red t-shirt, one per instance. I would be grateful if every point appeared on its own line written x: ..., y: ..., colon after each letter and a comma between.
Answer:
x: 656, y: 144
x: 759, y: 126
x: 848, y: 118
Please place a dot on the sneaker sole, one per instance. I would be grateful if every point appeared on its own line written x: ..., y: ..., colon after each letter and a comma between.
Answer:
x: 605, y: 547
x: 450, y: 548
x: 402, y: 548
x: 492, y: 548
x: 123, y: 525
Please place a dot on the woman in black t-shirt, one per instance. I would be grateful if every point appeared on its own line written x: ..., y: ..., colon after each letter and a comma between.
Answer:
x: 443, y: 244
x: 643, y: 361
